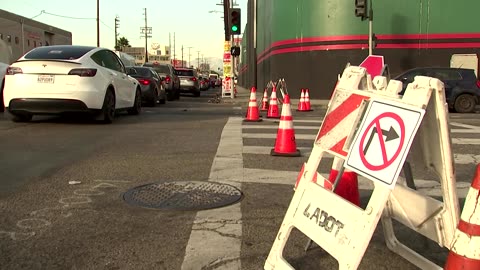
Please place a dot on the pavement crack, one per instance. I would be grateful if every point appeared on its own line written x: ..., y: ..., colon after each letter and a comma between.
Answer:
x: 223, y: 228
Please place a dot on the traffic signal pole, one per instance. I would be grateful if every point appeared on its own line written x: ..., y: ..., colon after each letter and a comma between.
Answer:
x: 232, y: 42
x: 370, y: 29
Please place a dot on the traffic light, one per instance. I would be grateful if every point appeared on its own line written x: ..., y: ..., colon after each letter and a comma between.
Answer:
x: 235, y: 50
x: 235, y: 21
x: 361, y: 9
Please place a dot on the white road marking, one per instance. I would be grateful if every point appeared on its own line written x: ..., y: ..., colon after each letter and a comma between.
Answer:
x: 276, y: 127
x: 313, y: 137
x: 305, y: 152
x: 215, y: 239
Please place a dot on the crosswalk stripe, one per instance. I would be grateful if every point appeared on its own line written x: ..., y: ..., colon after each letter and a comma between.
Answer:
x: 294, y: 120
x: 465, y: 141
x: 426, y: 187
x: 276, y: 126
x: 274, y: 135
x: 305, y: 152
x: 313, y: 136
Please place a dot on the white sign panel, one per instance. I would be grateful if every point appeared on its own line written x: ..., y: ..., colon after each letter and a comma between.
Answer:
x: 383, y: 140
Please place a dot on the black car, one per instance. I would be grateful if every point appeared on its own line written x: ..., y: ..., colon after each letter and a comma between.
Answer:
x: 152, y: 86
x: 462, y: 88
x: 169, y: 76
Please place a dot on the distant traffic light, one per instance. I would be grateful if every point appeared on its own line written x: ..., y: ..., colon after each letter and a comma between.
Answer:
x: 235, y: 50
x: 235, y: 21
x: 361, y: 9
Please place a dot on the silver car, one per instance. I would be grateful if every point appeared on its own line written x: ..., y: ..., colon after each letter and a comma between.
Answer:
x: 188, y: 81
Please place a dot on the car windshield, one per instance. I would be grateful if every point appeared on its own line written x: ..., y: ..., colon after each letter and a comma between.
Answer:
x: 58, y: 52
x: 185, y: 72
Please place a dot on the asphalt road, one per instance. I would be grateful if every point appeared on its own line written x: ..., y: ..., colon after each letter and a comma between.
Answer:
x: 49, y: 222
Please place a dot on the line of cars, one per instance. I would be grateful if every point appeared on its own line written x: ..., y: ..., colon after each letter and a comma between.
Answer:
x: 66, y: 79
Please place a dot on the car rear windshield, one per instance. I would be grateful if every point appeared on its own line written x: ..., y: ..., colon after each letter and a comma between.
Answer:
x: 185, y: 72
x: 158, y: 68
x: 144, y: 72
x: 58, y: 52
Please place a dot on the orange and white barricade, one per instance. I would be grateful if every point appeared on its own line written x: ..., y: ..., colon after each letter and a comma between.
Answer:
x: 369, y: 129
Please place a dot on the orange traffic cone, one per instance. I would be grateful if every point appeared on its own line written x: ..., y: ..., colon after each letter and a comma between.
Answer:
x: 464, y: 253
x: 264, y: 101
x: 285, y: 142
x: 347, y: 186
x: 273, y: 105
x: 308, y: 106
x: 252, y: 112
x: 301, y: 103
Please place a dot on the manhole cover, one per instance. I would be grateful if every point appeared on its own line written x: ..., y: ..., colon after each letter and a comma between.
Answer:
x: 196, y: 195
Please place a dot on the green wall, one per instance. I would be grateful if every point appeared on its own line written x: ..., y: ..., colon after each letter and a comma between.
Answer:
x: 280, y: 20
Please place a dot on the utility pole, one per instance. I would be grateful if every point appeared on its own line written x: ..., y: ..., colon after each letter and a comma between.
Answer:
x: 174, y: 55
x: 182, y: 55
x: 189, y: 63
x: 98, y: 23
x: 170, y: 46
x: 198, y: 59
x: 117, y: 21
x: 147, y: 31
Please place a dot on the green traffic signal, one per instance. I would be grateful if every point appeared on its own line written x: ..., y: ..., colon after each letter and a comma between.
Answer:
x: 234, y: 28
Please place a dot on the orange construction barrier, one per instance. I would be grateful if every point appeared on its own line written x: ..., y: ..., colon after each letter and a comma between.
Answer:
x: 252, y: 112
x: 301, y: 104
x: 465, y: 251
x: 308, y: 106
x: 273, y: 105
x: 285, y: 142
x: 264, y: 101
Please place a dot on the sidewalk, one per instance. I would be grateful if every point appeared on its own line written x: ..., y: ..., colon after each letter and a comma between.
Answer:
x: 243, y: 95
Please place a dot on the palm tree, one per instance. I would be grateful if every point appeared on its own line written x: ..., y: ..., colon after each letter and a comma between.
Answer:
x: 122, y: 42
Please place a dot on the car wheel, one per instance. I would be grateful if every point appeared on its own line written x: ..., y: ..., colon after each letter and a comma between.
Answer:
x: 170, y: 95
x: 465, y: 103
x: 24, y: 117
x: 108, y: 109
x: 137, y: 104
x: 196, y: 94
x: 177, y: 94
x: 153, y: 101
x: 162, y: 101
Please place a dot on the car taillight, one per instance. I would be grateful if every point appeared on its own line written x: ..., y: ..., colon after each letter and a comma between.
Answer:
x: 478, y: 83
x: 144, y: 81
x: 167, y: 79
x: 14, y: 70
x: 83, y: 72
x: 193, y: 79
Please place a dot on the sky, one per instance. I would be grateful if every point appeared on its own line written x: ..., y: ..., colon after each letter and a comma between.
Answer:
x: 190, y: 21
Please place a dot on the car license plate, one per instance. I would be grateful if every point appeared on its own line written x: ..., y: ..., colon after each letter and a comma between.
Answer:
x: 46, y: 79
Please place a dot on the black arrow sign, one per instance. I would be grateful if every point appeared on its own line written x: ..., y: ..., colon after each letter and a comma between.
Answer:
x: 390, y: 135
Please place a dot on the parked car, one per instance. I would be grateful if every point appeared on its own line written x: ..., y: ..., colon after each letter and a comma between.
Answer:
x: 153, y: 89
x: 188, y: 81
x: 167, y: 73
x: 69, y: 78
x: 462, y: 88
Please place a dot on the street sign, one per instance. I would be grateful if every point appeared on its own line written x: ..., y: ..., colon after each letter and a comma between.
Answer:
x: 374, y: 65
x: 383, y: 140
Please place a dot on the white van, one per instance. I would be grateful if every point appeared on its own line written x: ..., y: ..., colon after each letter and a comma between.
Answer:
x: 213, y: 79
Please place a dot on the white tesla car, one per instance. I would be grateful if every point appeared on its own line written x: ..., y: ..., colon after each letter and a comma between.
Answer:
x: 68, y: 78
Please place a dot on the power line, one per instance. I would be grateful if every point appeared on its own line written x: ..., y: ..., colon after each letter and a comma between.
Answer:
x: 68, y: 17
